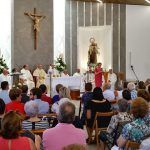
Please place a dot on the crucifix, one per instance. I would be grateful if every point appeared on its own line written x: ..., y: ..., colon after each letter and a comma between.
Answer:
x: 36, y: 27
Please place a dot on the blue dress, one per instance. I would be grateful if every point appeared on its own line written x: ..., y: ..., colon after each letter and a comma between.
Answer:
x: 136, y: 130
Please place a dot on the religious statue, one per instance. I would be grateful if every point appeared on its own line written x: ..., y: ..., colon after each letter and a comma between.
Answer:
x: 36, y: 27
x: 92, y: 52
x: 36, y: 20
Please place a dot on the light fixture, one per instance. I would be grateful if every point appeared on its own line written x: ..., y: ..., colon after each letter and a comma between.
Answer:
x: 148, y: 1
x: 100, y: 1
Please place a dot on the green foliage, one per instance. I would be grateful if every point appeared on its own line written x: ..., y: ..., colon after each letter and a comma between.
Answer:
x: 2, y: 64
x: 60, y: 64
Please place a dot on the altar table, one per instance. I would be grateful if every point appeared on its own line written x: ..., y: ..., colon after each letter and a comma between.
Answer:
x: 69, y: 82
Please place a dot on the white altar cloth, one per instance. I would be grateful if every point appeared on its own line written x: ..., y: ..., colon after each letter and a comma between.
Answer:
x: 69, y: 82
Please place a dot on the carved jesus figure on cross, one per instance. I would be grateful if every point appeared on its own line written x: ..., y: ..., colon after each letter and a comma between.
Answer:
x: 36, y: 18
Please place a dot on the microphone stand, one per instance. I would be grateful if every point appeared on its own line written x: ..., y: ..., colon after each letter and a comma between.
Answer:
x: 137, y: 80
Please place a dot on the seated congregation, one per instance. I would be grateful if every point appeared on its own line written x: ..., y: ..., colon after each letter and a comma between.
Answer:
x: 111, y: 118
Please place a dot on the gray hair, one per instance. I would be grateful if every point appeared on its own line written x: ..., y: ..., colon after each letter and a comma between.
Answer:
x: 31, y: 108
x: 131, y: 86
x: 108, y: 86
x: 118, y: 87
x: 64, y: 93
x: 123, y: 105
x: 66, y: 113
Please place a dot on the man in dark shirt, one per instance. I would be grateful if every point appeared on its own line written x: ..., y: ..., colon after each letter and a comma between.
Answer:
x: 24, y: 97
x: 87, y: 96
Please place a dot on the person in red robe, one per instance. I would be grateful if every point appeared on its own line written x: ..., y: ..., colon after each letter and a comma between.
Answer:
x: 98, y: 75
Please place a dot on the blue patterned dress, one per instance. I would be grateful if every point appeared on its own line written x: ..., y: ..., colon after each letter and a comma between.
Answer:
x: 136, y: 130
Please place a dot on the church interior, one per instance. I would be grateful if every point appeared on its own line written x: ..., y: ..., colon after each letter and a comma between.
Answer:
x: 74, y: 74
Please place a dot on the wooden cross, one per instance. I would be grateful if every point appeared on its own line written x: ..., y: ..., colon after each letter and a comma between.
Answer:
x: 36, y: 19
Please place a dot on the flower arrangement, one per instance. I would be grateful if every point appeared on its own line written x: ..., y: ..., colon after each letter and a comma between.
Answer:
x: 60, y: 65
x: 2, y: 64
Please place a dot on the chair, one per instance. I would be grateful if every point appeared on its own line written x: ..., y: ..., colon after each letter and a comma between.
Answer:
x: 96, y: 125
x: 113, y: 101
x: 77, y: 104
x: 132, y: 145
x: 51, y: 118
x: 38, y: 132
x: 30, y: 133
x: 47, y: 115
x: 99, y: 129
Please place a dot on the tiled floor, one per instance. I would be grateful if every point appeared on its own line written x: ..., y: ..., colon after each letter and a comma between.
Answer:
x: 92, y: 147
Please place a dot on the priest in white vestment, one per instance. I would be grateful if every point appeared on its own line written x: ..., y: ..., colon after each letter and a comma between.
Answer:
x: 77, y: 73
x: 112, y: 78
x: 27, y: 77
x: 65, y: 74
x: 5, y: 76
x: 40, y: 75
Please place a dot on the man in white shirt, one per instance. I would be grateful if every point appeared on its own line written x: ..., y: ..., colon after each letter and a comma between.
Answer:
x: 27, y: 77
x: 112, y: 78
x: 77, y: 73
x: 108, y: 93
x: 5, y: 76
x: 35, y: 95
x: 4, y: 94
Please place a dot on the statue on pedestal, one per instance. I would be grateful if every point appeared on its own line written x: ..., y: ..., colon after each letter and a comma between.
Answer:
x: 92, y: 52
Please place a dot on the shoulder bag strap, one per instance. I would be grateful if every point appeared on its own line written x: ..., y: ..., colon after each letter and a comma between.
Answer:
x: 9, y: 144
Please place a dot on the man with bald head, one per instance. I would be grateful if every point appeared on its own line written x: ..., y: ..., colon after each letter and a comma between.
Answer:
x: 77, y: 73
x: 5, y: 76
x: 64, y: 133
x: 40, y: 75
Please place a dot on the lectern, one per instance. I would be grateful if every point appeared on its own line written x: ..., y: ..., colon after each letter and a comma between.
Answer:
x: 15, y: 78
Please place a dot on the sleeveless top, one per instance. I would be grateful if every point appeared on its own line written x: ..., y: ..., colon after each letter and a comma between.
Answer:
x: 21, y: 143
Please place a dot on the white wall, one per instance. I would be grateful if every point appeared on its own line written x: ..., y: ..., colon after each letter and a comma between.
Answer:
x: 138, y: 41
x: 59, y: 28
x: 5, y: 31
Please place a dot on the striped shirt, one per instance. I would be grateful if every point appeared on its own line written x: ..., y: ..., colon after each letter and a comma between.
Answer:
x: 28, y: 125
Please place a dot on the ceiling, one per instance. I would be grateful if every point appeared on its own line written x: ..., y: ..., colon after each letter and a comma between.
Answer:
x: 130, y: 2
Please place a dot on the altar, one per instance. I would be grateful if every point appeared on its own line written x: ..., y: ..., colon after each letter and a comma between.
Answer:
x: 69, y: 82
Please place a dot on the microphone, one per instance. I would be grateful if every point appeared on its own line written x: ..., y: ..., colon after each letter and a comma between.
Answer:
x: 134, y: 73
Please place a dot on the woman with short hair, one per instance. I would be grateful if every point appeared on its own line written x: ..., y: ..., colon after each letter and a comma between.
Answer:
x: 10, y: 138
x: 122, y: 117
x: 140, y: 127
x: 144, y: 94
x: 33, y: 123
x: 132, y: 88
x: 15, y: 104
